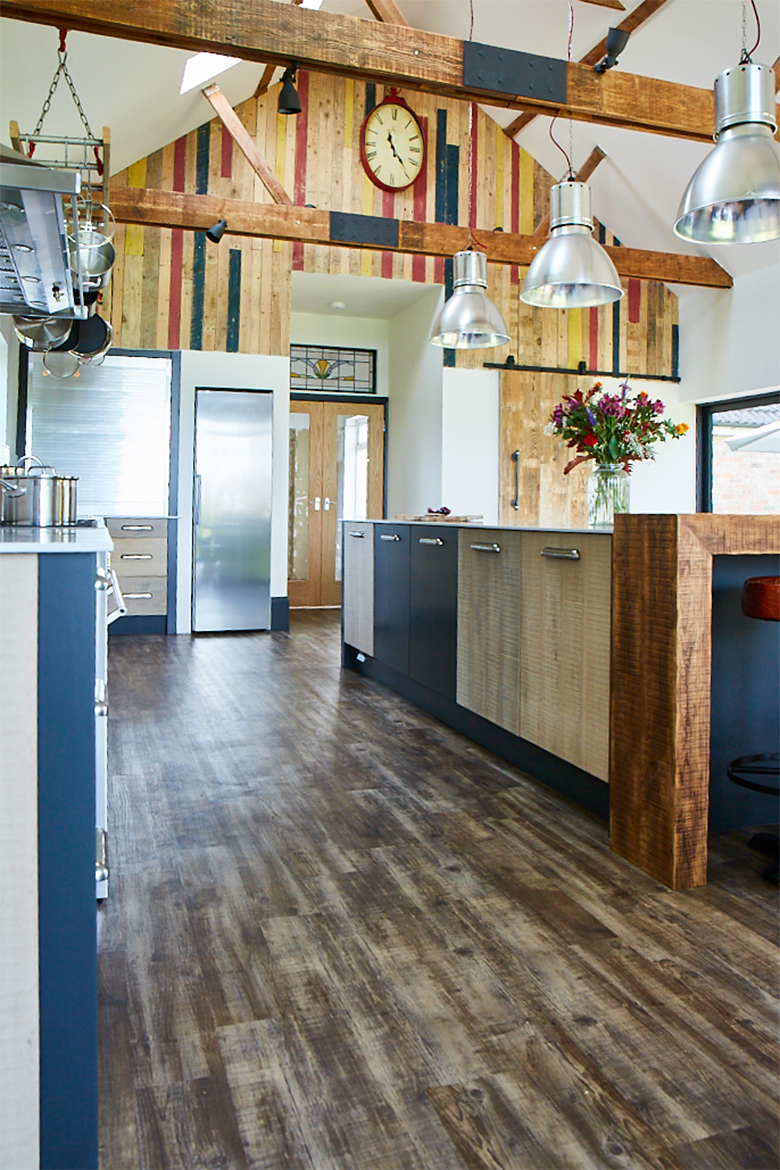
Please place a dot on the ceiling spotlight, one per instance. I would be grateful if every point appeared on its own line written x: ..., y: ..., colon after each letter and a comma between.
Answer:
x: 289, y: 102
x: 337, y: 306
x: 571, y: 271
x: 469, y: 319
x: 216, y: 232
x: 734, y: 196
x: 617, y: 39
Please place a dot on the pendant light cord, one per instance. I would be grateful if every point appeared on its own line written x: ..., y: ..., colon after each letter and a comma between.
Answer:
x: 553, y: 139
x: 746, y: 57
x: 472, y: 241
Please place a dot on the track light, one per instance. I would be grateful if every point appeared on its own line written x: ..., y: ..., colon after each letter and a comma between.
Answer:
x: 469, y: 319
x: 216, y: 232
x: 734, y: 196
x: 571, y: 271
x: 289, y: 102
x: 617, y: 39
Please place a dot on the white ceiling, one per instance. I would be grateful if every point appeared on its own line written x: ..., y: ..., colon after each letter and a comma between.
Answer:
x: 361, y: 296
x: 134, y: 89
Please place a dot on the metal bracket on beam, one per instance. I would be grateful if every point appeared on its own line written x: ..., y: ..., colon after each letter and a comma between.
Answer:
x: 374, y: 230
x: 514, y: 73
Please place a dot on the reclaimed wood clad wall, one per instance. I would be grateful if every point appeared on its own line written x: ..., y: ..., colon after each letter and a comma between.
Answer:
x: 172, y: 289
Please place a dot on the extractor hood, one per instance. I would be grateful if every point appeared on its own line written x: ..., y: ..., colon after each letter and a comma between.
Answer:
x: 35, y: 256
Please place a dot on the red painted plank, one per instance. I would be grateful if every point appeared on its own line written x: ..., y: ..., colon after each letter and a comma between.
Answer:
x: 634, y: 296
x: 179, y: 163
x: 388, y: 210
x: 301, y: 135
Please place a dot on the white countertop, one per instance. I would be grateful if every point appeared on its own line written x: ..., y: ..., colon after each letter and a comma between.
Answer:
x: 25, y: 539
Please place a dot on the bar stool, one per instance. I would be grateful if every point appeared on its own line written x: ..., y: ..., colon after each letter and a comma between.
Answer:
x: 761, y: 773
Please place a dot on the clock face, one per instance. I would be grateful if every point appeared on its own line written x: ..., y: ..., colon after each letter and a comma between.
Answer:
x: 392, y: 146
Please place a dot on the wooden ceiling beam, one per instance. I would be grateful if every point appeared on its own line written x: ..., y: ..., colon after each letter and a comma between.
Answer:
x: 245, y: 143
x: 608, y: 4
x: 582, y: 176
x: 268, y: 72
x: 629, y: 24
x: 172, y: 209
x: 271, y: 33
x: 388, y: 12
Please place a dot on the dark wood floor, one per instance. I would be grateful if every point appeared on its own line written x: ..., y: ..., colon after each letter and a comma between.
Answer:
x: 340, y: 935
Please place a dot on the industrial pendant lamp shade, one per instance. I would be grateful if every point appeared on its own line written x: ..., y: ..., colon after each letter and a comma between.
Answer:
x: 289, y: 102
x: 572, y: 271
x: 469, y: 319
x: 734, y: 196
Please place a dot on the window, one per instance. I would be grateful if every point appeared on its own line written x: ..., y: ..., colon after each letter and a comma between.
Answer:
x: 739, y: 456
x: 332, y: 369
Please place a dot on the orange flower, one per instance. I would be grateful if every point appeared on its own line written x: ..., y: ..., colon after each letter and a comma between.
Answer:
x: 681, y: 428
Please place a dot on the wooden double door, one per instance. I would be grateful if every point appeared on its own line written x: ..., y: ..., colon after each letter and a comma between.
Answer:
x: 336, y: 473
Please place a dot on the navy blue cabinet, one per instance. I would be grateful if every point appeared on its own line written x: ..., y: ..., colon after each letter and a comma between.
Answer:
x: 433, y: 608
x: 391, y: 595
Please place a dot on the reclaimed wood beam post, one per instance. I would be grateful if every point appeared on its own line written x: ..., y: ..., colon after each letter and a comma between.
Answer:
x: 245, y: 143
x: 269, y: 70
x: 388, y: 12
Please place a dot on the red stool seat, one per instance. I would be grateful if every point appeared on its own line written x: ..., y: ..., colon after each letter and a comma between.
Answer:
x: 761, y: 598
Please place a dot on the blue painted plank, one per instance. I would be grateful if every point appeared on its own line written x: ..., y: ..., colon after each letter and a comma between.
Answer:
x: 66, y: 862
x: 202, y: 160
x: 675, y: 351
x: 440, y: 193
x: 616, y: 337
x: 370, y: 97
x: 198, y: 290
x: 234, y: 300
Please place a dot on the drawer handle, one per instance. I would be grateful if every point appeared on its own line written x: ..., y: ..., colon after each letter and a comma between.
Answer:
x: 496, y: 548
x: 431, y: 540
x: 385, y: 536
x: 138, y: 528
x: 562, y: 554
x: 136, y: 557
x: 137, y: 596
x: 359, y: 535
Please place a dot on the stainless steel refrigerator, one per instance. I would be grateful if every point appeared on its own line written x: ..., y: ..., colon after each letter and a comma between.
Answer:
x: 231, y: 586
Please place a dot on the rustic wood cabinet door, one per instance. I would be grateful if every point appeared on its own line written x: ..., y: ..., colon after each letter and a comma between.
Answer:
x: 358, y: 591
x: 565, y: 646
x: 489, y: 602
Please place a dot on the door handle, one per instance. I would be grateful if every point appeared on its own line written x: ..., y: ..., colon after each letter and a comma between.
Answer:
x: 494, y: 548
x: 136, y: 557
x: 431, y: 540
x: 386, y: 536
x: 198, y: 490
x: 316, y: 503
x: 561, y: 554
x: 515, y: 503
x: 326, y: 503
x: 138, y: 528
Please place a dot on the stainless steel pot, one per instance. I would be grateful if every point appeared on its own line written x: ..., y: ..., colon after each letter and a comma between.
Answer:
x: 41, y: 333
x: 35, y: 496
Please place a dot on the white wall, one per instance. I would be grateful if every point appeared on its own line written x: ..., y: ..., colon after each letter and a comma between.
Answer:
x: 9, y: 379
x: 338, y: 329
x: 470, y: 442
x: 234, y: 371
x: 730, y: 339
x: 414, y: 458
x: 668, y: 482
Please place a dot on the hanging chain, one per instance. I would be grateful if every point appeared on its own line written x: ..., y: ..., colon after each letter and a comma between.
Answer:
x: 744, y: 54
x: 568, y: 58
x: 746, y: 57
x: 62, y: 71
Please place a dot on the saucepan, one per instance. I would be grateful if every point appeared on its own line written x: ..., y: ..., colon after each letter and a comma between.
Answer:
x: 33, y: 495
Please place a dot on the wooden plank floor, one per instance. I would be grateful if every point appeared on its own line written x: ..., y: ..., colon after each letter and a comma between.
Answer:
x: 341, y: 935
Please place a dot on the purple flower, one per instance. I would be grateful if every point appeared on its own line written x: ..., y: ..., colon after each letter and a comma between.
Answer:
x: 591, y: 417
x: 658, y: 406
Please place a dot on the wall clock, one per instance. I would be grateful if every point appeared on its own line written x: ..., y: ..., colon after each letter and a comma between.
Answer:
x: 392, y: 144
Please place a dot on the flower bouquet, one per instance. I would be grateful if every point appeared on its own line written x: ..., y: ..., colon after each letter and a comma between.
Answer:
x: 613, y: 430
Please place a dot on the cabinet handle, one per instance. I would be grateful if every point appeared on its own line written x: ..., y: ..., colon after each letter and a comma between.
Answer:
x: 137, y: 596
x: 486, y: 547
x: 136, y: 557
x: 138, y: 528
x: 562, y: 554
x: 515, y: 503
x: 431, y: 540
x: 359, y: 535
x: 386, y: 536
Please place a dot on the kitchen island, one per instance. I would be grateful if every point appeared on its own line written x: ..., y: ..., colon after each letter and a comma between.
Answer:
x: 581, y: 657
x: 48, y: 958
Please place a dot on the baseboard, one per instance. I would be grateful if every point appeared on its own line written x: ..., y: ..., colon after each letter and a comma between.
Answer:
x: 280, y: 613
x: 139, y: 624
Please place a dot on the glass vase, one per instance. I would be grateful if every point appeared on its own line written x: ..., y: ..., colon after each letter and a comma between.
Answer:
x: 608, y: 493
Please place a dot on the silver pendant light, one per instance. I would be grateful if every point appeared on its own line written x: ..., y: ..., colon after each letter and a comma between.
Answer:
x: 734, y: 196
x: 571, y: 271
x: 469, y: 319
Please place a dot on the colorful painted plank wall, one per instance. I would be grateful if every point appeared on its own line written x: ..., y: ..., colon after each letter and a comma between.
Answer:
x: 172, y: 289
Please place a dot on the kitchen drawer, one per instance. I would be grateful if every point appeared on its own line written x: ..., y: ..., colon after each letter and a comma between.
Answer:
x: 489, y: 604
x: 145, y: 595
x: 140, y: 558
x: 565, y: 645
x: 358, y: 595
x: 136, y: 527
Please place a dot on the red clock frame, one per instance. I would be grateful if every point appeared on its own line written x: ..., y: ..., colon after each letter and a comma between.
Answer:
x: 393, y: 98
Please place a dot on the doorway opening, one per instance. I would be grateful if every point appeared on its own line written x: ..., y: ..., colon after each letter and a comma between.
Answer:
x: 337, y: 472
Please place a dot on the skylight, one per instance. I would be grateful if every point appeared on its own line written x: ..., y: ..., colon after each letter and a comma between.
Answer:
x: 202, y: 67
